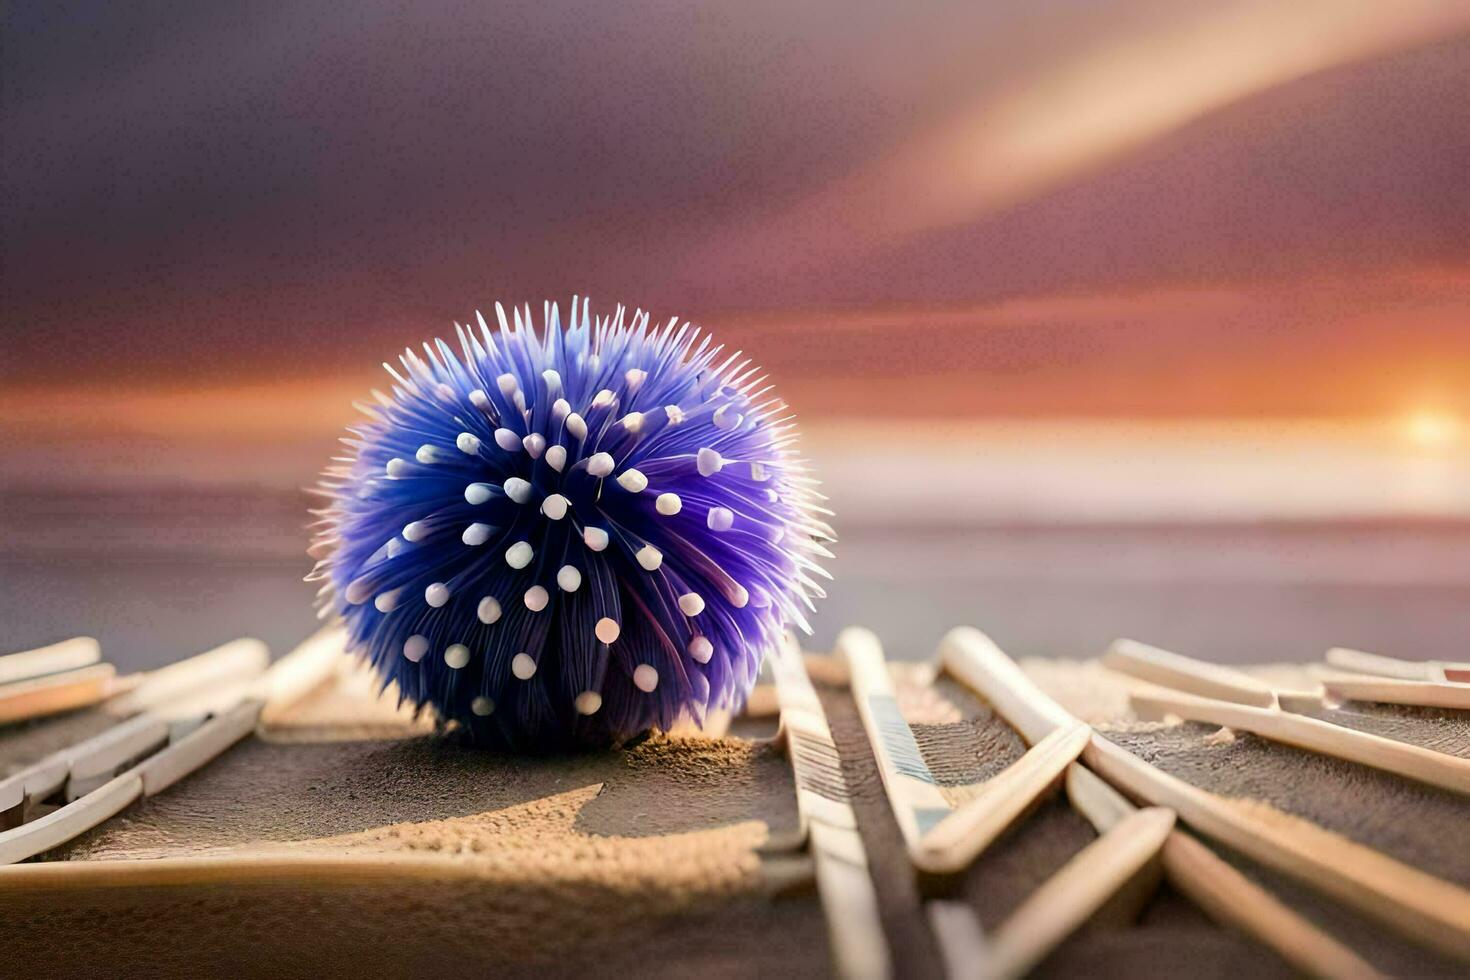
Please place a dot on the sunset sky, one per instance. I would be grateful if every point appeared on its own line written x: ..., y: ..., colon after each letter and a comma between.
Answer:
x: 1130, y: 209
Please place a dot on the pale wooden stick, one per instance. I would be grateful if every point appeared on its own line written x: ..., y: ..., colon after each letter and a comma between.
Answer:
x: 940, y: 838
x: 1429, y: 694
x: 914, y: 795
x: 55, y: 693
x: 66, y: 822
x: 225, y: 665
x: 849, y: 900
x: 1411, y: 761
x: 1068, y: 898
x: 190, y: 753
x: 1359, y: 662
x: 1226, y: 895
x: 78, y: 652
x: 954, y: 843
x: 962, y: 944
x: 1182, y: 673
x: 96, y: 760
x: 1419, y: 905
x: 315, y: 661
x: 1232, y: 899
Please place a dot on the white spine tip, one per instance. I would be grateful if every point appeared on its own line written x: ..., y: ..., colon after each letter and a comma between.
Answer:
x: 476, y: 535
x: 535, y: 444
x: 701, y: 649
x: 720, y: 519
x: 738, y: 595
x: 456, y: 656
x: 427, y: 454
x: 588, y: 703
x: 386, y: 602
x: 568, y: 578
x: 437, y: 594
x: 523, y: 666
x: 674, y: 413
x: 507, y: 384
x: 727, y: 418
x: 650, y: 558
x: 645, y: 678
x: 415, y: 531
x: 555, y: 506
x: 358, y: 590
x: 556, y: 457
x: 709, y: 462
x: 468, y: 443
x: 396, y: 468
x: 603, y: 398
x: 482, y: 706
x: 478, y: 493
x: 445, y: 392
x: 480, y: 400
x: 576, y: 426
x: 635, y: 378
x: 633, y: 422
x: 691, y: 604
x: 560, y: 409
x: 395, y: 547
x: 607, y: 630
x: 537, y: 598
x: 488, y: 610
x: 552, y: 379
x: 415, y: 647
x: 595, y: 538
x: 507, y: 440
x: 600, y: 464
x: 633, y: 481
x: 517, y: 489
x: 668, y: 504
x: 758, y: 472
x: 519, y: 555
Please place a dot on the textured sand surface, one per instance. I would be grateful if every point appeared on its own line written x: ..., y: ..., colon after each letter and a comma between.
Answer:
x: 350, y: 843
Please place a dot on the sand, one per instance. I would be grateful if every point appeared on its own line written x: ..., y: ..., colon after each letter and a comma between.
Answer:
x: 349, y: 843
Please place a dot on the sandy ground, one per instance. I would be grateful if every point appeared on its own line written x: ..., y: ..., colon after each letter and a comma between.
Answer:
x: 353, y: 842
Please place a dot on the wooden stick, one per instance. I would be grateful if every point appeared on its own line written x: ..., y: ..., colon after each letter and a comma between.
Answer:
x: 1232, y: 899
x: 97, y: 760
x: 190, y: 753
x: 1411, y: 761
x: 1429, y: 694
x: 1068, y: 898
x: 66, y: 822
x: 849, y: 901
x: 1419, y: 905
x: 73, y: 654
x: 1360, y: 662
x: 55, y: 693
x: 225, y: 665
x: 913, y: 793
x: 954, y: 843
x: 940, y: 838
x: 315, y: 661
x: 1186, y: 674
x: 1226, y: 895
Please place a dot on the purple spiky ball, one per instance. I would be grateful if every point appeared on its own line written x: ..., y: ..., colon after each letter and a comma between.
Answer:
x: 567, y: 536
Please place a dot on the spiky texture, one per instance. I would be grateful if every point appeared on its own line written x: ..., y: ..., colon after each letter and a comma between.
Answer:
x: 571, y: 536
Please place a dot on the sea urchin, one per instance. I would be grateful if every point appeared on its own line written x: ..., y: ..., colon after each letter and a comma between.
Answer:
x: 570, y: 537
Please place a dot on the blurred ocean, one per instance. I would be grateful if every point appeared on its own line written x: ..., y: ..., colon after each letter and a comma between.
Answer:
x: 1229, y: 545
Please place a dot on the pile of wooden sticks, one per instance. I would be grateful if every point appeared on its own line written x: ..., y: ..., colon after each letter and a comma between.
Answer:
x: 143, y: 732
x: 1101, y: 778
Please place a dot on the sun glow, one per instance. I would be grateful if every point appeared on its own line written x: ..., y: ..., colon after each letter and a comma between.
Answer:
x: 1433, y: 430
